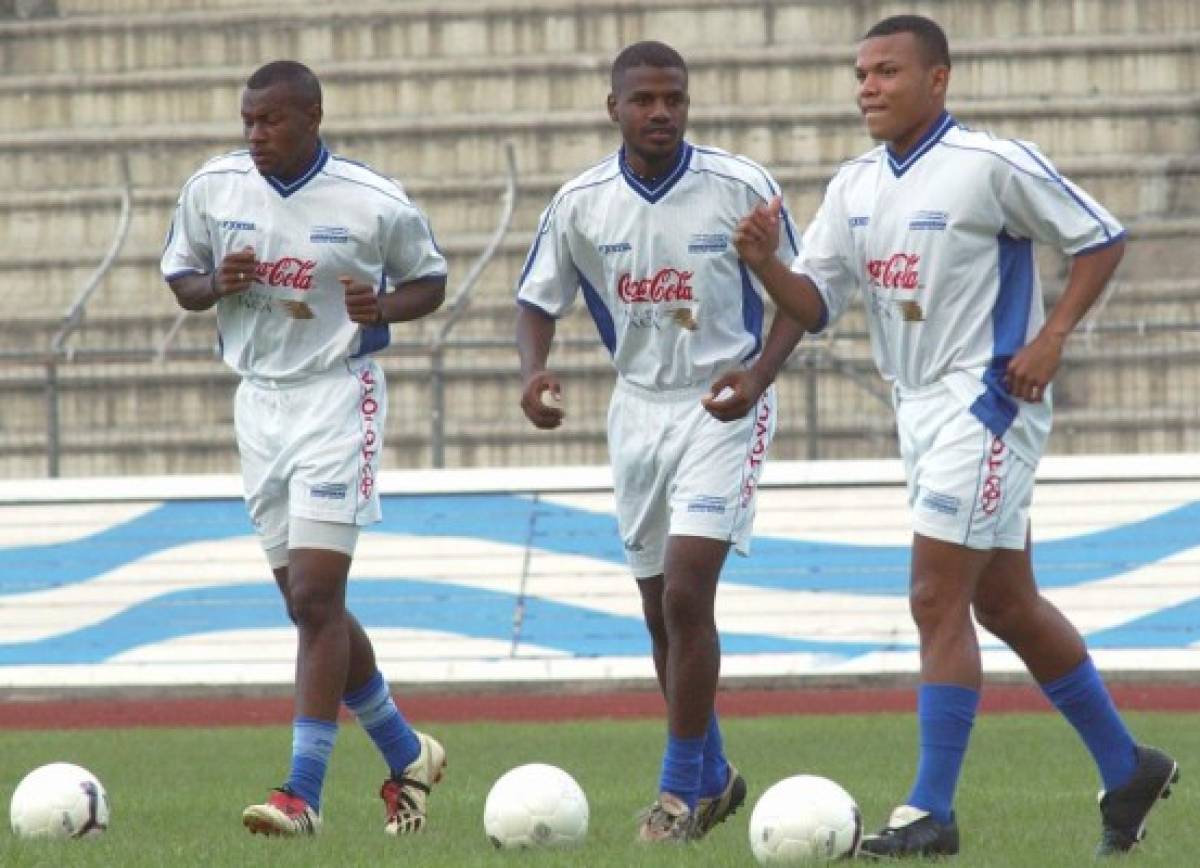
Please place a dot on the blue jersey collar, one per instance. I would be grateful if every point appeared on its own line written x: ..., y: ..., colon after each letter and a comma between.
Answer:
x: 654, y: 190
x: 932, y: 136
x: 287, y: 188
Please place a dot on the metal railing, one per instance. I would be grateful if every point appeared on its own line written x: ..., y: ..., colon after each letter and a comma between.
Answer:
x: 458, y: 306
x: 75, y: 315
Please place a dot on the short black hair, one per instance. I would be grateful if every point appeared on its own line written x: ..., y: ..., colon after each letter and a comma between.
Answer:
x: 647, y: 53
x: 927, y: 32
x: 300, y: 80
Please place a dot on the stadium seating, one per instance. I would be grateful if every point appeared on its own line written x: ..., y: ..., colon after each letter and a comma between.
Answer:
x: 428, y: 92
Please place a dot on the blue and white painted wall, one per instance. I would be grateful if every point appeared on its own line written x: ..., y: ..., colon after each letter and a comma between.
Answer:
x: 519, y: 575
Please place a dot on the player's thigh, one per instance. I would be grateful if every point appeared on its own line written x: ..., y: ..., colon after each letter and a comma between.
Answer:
x: 639, y: 452
x: 259, y: 422
x: 715, y: 490
x: 337, y: 445
x: 967, y: 486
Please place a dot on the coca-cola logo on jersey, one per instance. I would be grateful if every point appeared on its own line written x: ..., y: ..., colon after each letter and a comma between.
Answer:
x: 667, y: 284
x: 898, y: 271
x: 288, y: 272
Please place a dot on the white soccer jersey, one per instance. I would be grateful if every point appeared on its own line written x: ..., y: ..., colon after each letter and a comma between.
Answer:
x: 941, y: 246
x: 339, y: 218
x: 656, y: 264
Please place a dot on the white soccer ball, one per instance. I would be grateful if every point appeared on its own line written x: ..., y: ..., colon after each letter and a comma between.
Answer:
x: 535, y: 805
x: 802, y: 819
x: 59, y: 800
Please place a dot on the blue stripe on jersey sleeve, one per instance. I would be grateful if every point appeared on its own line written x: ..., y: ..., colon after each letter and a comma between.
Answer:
x: 995, y: 408
x: 601, y: 315
x: 752, y: 310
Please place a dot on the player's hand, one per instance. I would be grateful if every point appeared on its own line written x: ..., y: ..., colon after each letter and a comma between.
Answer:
x: 235, y: 273
x: 756, y: 236
x: 733, y: 395
x: 362, y: 302
x: 541, y: 400
x: 1030, y: 371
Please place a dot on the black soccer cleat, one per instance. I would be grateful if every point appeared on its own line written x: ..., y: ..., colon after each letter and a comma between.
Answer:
x: 1123, y: 811
x: 911, y: 833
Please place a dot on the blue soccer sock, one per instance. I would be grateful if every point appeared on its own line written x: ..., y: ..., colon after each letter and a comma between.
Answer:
x: 681, y: 768
x: 375, y: 709
x: 312, y: 744
x: 1084, y: 701
x: 714, y: 774
x: 945, y: 715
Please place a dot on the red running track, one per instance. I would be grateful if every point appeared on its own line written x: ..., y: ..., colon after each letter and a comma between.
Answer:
x: 523, y: 706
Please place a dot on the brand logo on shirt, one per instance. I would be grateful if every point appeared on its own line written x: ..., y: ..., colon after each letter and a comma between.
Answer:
x: 328, y: 491
x: 329, y: 235
x: 242, y: 225
x: 288, y: 272
x: 935, y: 220
x: 707, y: 503
x: 667, y: 284
x: 618, y: 247
x: 860, y: 221
x: 758, y: 452
x: 993, y: 492
x: 935, y: 501
x: 703, y: 242
x: 898, y: 271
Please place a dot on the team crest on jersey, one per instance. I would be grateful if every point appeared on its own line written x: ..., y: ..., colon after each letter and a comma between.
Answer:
x: 707, y: 242
x: 329, y: 235
x: 930, y: 220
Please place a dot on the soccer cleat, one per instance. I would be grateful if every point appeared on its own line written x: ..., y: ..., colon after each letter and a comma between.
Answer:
x: 1123, y: 811
x: 710, y: 812
x: 911, y: 832
x: 668, y: 820
x: 284, y: 814
x: 405, y: 796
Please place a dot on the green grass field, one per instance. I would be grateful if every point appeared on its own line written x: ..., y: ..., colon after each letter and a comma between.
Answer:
x: 1027, y: 796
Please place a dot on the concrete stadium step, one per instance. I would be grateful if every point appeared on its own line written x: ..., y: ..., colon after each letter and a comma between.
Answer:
x: 994, y: 69
x: 1132, y: 187
x: 566, y: 142
x: 163, y: 36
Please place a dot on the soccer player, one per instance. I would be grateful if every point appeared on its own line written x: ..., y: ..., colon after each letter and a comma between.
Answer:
x: 645, y: 235
x: 296, y: 248
x: 936, y: 227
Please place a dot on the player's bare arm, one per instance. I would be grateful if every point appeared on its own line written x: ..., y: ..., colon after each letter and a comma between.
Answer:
x: 535, y: 333
x: 1032, y: 369
x: 234, y: 274
x: 756, y: 239
x: 407, y: 302
x: 735, y: 393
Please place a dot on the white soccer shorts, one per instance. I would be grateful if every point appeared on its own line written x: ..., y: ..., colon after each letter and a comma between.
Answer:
x: 965, y: 485
x: 677, y: 471
x: 312, y: 450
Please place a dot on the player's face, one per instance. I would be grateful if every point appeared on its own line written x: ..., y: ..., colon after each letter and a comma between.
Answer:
x: 281, y: 133
x: 899, y: 93
x: 651, y: 108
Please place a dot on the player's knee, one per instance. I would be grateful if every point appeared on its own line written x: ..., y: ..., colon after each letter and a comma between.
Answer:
x: 685, y: 608
x: 312, y: 605
x: 933, y: 608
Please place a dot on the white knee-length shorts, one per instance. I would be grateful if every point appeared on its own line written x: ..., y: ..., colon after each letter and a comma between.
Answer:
x: 312, y: 450
x: 677, y: 471
x: 965, y: 485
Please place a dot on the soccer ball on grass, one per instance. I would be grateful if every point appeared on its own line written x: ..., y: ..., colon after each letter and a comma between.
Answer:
x: 59, y: 800
x: 535, y: 805
x: 805, y: 818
